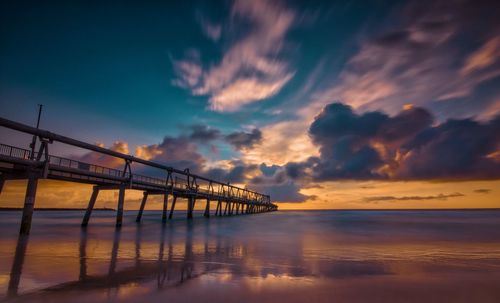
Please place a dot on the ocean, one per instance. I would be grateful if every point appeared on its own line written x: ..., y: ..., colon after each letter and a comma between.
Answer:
x: 284, y: 256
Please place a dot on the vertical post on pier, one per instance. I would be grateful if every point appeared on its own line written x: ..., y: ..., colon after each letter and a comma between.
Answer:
x: 218, y: 209
x: 207, y: 209
x: 2, y: 182
x: 165, y: 208
x: 143, y: 204
x: 29, y: 203
x: 119, y: 210
x: 190, y: 207
x: 225, y: 208
x: 172, y: 207
x: 90, y: 207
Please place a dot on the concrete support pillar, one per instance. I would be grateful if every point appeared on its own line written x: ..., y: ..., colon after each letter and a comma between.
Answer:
x: 29, y: 203
x: 165, y: 208
x: 143, y: 204
x: 190, y: 207
x: 225, y: 208
x: 90, y: 207
x: 207, y: 209
x: 119, y: 209
x: 172, y: 207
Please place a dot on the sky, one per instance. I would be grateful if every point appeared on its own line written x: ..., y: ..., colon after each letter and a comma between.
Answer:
x: 321, y: 104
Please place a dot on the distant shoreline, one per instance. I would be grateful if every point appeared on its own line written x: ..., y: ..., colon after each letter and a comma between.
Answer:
x: 281, y: 210
x: 396, y: 209
x: 54, y: 209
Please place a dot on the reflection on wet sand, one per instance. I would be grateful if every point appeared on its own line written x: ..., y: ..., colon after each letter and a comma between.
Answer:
x: 177, y: 262
x: 214, y: 260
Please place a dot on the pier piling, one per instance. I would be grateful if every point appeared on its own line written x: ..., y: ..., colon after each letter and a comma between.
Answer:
x: 17, y: 163
x: 29, y: 203
x: 172, y: 207
x: 165, y: 208
x: 190, y: 207
x: 119, y: 209
x: 90, y: 207
x: 207, y: 209
x: 143, y: 204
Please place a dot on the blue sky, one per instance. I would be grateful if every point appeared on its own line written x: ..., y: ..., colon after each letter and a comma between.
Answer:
x: 114, y: 64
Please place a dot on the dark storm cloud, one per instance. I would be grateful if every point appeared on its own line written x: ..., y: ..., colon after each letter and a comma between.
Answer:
x: 178, y: 152
x: 406, y: 146
x: 235, y: 174
x: 203, y: 133
x: 454, y: 149
x: 275, y: 181
x: 346, y: 139
x: 407, y: 198
x: 268, y: 170
x: 242, y: 140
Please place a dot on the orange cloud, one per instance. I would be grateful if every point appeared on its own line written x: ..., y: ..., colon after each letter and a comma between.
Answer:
x: 483, y: 57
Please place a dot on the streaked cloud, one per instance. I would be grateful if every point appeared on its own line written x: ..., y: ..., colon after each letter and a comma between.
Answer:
x: 413, y: 198
x: 487, y: 55
x: 422, y: 60
x: 252, y: 68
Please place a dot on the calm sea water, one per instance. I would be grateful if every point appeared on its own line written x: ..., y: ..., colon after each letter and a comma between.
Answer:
x: 285, y: 256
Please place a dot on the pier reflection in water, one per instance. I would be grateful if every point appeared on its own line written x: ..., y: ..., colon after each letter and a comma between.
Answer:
x: 276, y: 257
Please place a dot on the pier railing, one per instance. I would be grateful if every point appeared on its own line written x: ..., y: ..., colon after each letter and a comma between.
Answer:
x: 174, y: 178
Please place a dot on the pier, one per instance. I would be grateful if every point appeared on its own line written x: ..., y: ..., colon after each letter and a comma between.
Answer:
x: 171, y: 183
